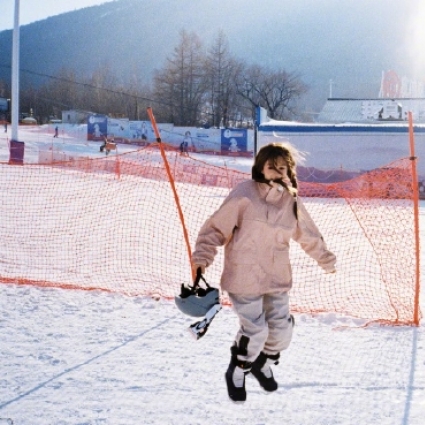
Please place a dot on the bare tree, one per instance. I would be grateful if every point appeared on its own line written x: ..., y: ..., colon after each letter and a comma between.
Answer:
x: 101, y: 96
x: 28, y: 102
x: 275, y: 91
x: 221, y: 70
x: 63, y: 92
x: 180, y: 85
x: 141, y: 95
x: 194, y: 87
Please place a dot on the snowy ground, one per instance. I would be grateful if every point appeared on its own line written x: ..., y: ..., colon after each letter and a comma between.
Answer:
x: 78, y: 357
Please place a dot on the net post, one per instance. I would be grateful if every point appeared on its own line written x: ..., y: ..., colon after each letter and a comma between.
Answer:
x: 415, y: 189
x: 172, y: 184
x: 117, y: 164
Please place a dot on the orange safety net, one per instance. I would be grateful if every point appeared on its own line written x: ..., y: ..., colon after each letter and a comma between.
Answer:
x: 112, y: 224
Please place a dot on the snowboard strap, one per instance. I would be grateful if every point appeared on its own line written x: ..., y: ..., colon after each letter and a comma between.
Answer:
x: 199, y: 277
x: 199, y: 329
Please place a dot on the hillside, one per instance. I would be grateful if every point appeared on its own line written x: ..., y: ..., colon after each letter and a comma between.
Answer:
x: 318, y: 40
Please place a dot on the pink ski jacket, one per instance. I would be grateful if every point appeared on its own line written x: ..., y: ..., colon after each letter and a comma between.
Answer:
x: 255, y: 223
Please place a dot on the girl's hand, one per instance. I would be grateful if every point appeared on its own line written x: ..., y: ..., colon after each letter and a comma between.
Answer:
x: 195, y: 268
x: 276, y: 185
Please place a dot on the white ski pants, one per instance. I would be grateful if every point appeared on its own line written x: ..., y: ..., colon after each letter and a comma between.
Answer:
x: 265, y: 320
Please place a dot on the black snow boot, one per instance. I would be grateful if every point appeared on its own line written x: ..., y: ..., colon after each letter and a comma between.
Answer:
x: 235, y: 377
x: 262, y: 371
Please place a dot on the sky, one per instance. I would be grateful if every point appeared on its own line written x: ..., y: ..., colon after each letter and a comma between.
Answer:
x: 30, y: 10
x: 96, y: 358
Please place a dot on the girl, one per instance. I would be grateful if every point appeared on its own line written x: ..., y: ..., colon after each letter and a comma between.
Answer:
x: 255, y: 224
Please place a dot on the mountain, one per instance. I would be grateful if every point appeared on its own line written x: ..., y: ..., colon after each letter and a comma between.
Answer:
x: 349, y: 42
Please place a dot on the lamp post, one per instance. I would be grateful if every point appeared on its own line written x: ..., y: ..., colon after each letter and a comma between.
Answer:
x: 15, y: 74
x: 16, y: 147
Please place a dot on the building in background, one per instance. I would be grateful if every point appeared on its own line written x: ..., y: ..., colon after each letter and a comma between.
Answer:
x: 74, y: 117
x: 379, y: 110
x: 397, y: 96
x: 352, y: 145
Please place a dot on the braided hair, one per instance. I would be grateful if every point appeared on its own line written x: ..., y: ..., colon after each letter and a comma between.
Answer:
x: 270, y: 153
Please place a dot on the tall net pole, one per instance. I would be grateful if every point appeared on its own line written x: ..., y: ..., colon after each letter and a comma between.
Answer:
x: 172, y: 183
x: 416, y: 217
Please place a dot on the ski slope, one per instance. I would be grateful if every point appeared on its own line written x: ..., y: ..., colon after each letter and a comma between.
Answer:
x: 90, y: 357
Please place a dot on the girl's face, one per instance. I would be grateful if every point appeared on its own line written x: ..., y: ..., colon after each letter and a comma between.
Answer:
x: 278, y: 171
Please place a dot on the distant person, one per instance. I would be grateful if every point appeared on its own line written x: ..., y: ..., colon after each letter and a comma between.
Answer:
x: 5, y: 126
x: 144, y: 131
x: 183, y: 148
x: 56, y: 131
x: 255, y: 224
x: 103, y: 145
x: 184, y: 145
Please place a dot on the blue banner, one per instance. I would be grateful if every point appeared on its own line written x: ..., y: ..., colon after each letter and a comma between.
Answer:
x: 97, y: 127
x: 234, y: 141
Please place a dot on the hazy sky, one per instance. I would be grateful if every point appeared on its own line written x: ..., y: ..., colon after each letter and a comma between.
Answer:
x: 35, y: 10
